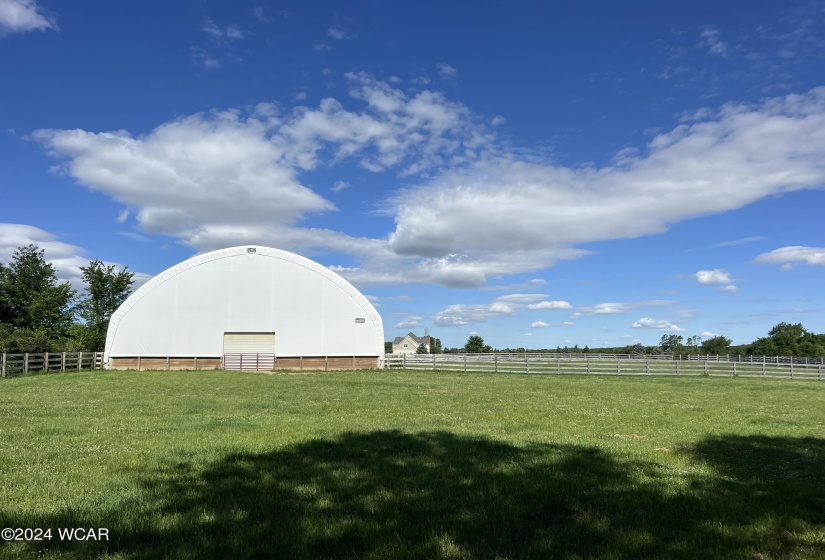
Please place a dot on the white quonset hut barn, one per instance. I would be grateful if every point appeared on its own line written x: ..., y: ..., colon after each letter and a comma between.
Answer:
x: 246, y: 307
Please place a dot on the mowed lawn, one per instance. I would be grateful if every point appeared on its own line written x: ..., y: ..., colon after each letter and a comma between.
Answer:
x: 400, y: 464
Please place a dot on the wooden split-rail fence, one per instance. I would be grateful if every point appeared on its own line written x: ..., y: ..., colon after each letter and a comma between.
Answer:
x: 12, y: 365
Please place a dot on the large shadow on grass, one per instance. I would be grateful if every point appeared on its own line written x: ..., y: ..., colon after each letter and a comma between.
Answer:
x: 391, y: 494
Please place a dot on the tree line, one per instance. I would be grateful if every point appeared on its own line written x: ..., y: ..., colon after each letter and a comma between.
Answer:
x: 40, y: 314
x: 784, y: 339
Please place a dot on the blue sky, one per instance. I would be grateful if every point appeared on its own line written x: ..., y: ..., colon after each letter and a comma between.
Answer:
x: 538, y: 173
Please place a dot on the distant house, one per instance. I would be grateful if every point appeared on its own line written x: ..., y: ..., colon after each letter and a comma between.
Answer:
x: 409, y: 344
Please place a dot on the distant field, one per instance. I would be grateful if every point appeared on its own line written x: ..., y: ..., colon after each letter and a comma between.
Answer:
x: 412, y: 464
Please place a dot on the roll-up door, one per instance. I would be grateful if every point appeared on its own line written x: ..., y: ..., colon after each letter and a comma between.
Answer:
x: 248, y: 343
x: 254, y: 351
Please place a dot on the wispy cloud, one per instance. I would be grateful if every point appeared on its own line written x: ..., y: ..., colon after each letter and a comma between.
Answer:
x: 20, y: 16
x: 788, y: 255
x: 710, y: 39
x: 229, y: 32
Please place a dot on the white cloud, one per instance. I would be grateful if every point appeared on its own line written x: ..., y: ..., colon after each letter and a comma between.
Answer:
x: 715, y: 276
x: 20, y: 16
x: 461, y: 314
x: 710, y: 39
x: 742, y: 154
x: 787, y: 255
x: 521, y: 298
x: 539, y: 325
x: 708, y: 334
x: 123, y: 216
x: 743, y: 241
x: 648, y: 323
x: 220, y: 33
x: 569, y: 323
x: 409, y: 323
x: 339, y: 186
x: 321, y: 47
x: 446, y: 71
x: 550, y: 305
x: 617, y: 308
x: 66, y: 258
x: 528, y: 285
x: 230, y: 177
x: 339, y: 33
x: 728, y: 288
x: 204, y: 59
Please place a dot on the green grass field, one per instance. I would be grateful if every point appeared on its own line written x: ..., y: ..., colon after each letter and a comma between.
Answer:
x: 400, y: 464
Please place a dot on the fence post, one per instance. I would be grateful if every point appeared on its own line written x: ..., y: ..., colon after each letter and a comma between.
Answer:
x: 763, y: 368
x: 26, y: 362
x: 495, y: 362
x: 706, y: 367
x: 618, y: 366
x: 433, y: 362
x: 79, y: 360
x: 326, y: 363
x: 677, y: 368
x: 465, y: 363
x: 818, y: 378
x: 527, y: 359
x: 558, y: 366
x: 45, y: 361
x: 3, y: 365
x: 734, y: 369
x: 791, y: 367
x: 587, y: 359
x: 647, y: 367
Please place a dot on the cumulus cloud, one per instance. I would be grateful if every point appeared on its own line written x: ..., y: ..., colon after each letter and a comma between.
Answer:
x: 460, y: 314
x: 550, y: 305
x: 787, y: 255
x: 648, y: 323
x: 20, y: 16
x: 229, y: 177
x: 715, y: 276
x: 728, y: 288
x: 708, y: 334
x: 539, y: 325
x: 339, y: 186
x: 742, y: 154
x: 66, y: 258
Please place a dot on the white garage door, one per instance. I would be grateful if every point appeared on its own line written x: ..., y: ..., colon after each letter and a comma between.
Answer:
x: 248, y: 343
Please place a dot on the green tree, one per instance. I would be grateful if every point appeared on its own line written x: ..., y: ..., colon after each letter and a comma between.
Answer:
x: 435, y: 345
x: 693, y: 343
x: 31, y: 299
x: 388, y: 348
x: 475, y: 345
x: 671, y: 343
x: 716, y: 345
x: 787, y: 339
x: 106, y: 289
x: 422, y: 349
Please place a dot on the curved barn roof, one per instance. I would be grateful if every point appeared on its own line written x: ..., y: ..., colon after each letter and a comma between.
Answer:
x: 292, y: 279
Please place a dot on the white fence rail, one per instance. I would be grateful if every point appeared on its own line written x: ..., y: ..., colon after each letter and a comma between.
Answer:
x: 604, y: 364
x: 12, y: 365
